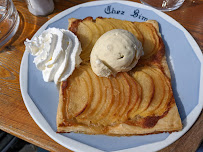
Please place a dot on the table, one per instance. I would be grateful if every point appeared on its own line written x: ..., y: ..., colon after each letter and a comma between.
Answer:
x: 14, y: 117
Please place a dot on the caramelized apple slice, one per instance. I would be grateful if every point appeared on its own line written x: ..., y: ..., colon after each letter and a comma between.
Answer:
x: 117, y: 24
x: 124, y: 98
x: 91, y: 108
x: 133, y: 29
x: 127, y: 95
x: 89, y: 82
x: 101, y: 29
x: 147, y: 85
x: 100, y: 103
x: 106, y: 102
x: 84, y: 35
x: 136, y: 106
x: 150, y: 38
x: 96, y: 34
x: 159, y: 91
x: 134, y: 96
x: 107, y: 120
x: 106, y: 27
x: 106, y: 21
x: 122, y: 103
x: 156, y: 36
x: 168, y: 94
x: 78, y: 85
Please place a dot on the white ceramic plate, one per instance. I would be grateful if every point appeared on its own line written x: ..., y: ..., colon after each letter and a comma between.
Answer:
x: 185, y: 62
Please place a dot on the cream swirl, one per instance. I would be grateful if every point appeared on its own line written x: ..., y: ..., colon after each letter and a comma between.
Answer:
x: 57, y: 53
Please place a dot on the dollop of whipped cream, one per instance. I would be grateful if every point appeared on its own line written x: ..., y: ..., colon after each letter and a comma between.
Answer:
x: 57, y: 53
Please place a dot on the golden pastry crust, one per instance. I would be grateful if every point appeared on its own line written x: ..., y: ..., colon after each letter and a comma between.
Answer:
x: 116, y: 116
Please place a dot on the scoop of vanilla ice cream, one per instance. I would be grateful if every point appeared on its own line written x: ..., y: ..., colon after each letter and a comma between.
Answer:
x: 115, y: 51
x: 57, y: 53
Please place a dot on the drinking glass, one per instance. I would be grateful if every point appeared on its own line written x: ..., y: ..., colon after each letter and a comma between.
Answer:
x: 164, y: 5
x: 9, y: 21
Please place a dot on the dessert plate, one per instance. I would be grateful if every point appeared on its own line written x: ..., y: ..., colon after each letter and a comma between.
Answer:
x: 185, y: 62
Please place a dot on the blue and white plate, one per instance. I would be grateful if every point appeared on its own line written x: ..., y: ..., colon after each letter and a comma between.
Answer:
x: 185, y: 62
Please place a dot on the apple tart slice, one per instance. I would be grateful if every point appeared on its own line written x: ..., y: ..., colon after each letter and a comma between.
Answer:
x: 137, y: 102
